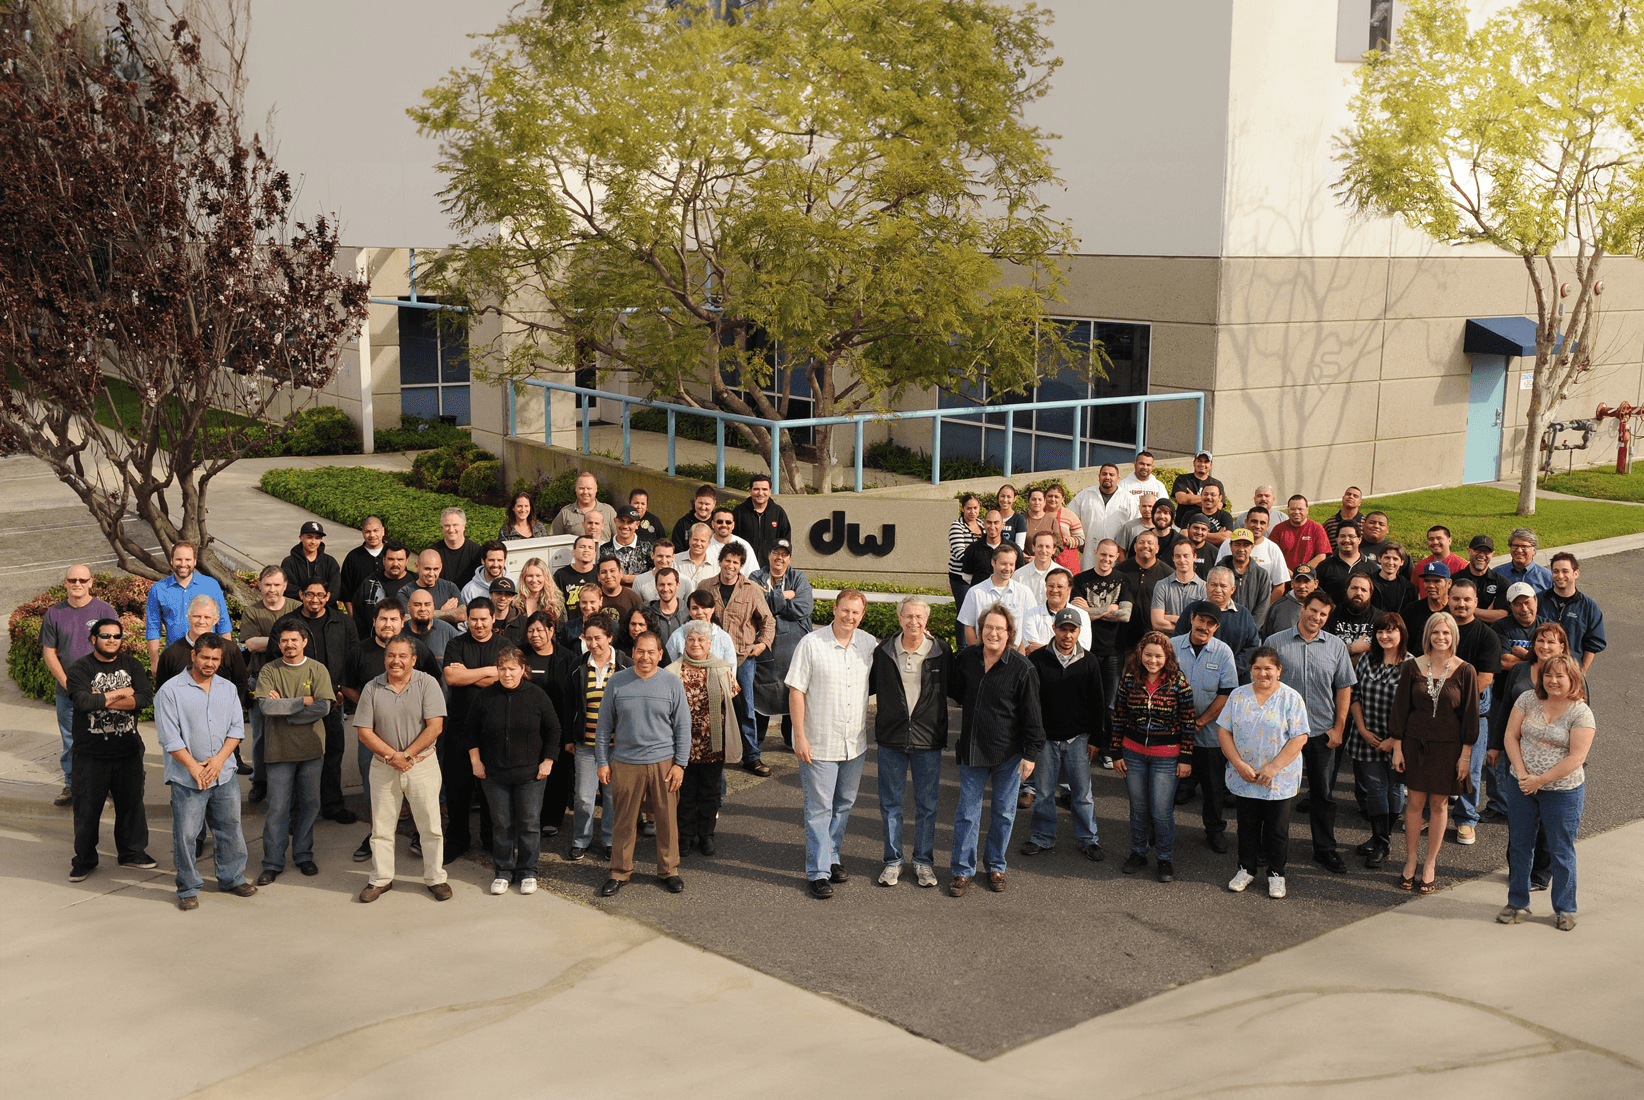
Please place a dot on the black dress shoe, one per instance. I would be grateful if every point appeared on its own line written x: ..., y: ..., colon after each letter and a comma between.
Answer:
x: 1167, y: 871
x: 345, y: 817
x: 836, y: 873
x: 309, y: 868
x: 1032, y: 848
x: 267, y: 877
x: 550, y: 830
x: 258, y: 792
x: 1217, y: 842
x: 1365, y: 848
x: 821, y: 888
x: 675, y: 884
x: 1331, y: 861
x: 1376, y: 856
x: 1093, y: 852
x: 707, y: 845
x: 1134, y: 862
x: 610, y: 887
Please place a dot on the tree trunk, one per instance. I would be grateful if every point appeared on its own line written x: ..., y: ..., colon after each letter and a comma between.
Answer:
x: 1530, y: 461
x: 822, y: 475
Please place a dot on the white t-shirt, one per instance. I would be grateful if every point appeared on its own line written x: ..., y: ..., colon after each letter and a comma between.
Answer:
x: 1129, y: 484
x: 1266, y: 554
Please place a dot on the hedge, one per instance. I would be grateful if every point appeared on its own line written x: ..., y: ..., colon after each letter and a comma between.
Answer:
x: 880, y: 620
x: 349, y: 494
x: 126, y: 594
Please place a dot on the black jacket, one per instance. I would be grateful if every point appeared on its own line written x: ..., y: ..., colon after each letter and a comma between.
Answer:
x: 762, y: 531
x: 927, y: 727
x: 299, y: 572
x: 577, y: 728
x: 337, y: 639
x: 1071, y: 702
x: 515, y: 729
x: 1000, y: 706
x: 360, y: 564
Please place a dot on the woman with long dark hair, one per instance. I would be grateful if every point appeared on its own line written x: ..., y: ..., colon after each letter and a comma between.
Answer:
x: 1153, y: 721
x: 1368, y: 747
x: 521, y: 521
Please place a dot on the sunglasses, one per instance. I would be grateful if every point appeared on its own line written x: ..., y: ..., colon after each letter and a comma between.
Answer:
x: 106, y: 637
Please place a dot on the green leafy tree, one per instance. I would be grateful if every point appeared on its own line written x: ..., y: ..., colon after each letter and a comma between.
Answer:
x: 722, y: 198
x: 1521, y: 132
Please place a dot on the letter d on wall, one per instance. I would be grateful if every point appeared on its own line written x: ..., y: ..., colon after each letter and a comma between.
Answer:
x: 828, y: 535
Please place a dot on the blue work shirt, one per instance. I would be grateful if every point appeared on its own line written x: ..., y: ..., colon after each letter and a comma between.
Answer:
x: 189, y: 717
x: 1538, y: 577
x: 1316, y: 669
x: 168, y: 607
x: 1210, y: 672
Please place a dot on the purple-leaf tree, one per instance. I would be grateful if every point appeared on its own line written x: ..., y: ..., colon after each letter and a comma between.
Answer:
x: 157, y: 304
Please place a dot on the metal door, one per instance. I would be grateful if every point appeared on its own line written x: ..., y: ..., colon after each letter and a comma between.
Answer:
x: 1486, y: 401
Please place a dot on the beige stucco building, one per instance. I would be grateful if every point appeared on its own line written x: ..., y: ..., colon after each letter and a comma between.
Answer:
x: 1195, y: 144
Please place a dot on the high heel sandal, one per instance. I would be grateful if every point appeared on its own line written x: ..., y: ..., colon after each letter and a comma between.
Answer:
x: 1428, y: 886
x: 1407, y: 882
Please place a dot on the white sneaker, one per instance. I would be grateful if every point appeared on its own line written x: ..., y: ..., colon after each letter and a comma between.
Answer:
x: 891, y: 875
x: 499, y: 886
x: 1240, y: 881
x: 925, y: 873
x: 527, y: 885
x: 1275, y: 886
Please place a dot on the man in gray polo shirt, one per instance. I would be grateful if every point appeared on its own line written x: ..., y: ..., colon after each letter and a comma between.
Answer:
x: 400, y: 716
x: 1318, y: 665
x: 1174, y: 593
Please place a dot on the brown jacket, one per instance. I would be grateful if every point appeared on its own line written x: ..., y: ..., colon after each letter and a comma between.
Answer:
x: 747, y: 618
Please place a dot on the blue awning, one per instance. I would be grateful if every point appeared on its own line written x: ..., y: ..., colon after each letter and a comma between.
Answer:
x: 1502, y: 336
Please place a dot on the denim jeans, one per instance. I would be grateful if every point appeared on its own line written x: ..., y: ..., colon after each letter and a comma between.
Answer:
x: 1559, y: 813
x: 830, y: 792
x: 1466, y: 810
x: 582, y: 802
x: 744, y: 711
x: 65, y: 729
x: 1002, y: 782
x: 191, y: 810
x: 1151, y: 783
x: 926, y: 766
x: 1063, y: 762
x: 1376, y: 777
x: 288, y: 781
x: 516, y: 836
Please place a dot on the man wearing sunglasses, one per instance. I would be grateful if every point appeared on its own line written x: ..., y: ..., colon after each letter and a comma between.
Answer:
x: 108, y: 688
x: 65, y: 637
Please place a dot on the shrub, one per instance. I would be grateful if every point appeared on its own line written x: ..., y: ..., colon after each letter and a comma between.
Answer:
x: 880, y: 619
x: 897, y: 459
x: 444, y: 471
x: 417, y: 434
x: 321, y: 430
x: 877, y: 586
x: 735, y: 476
x: 349, y: 494
x: 482, y: 481
x: 127, y: 595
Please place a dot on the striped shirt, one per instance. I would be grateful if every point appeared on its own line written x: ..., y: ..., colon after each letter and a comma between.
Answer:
x: 1159, y: 722
x: 593, y: 693
x: 959, y: 540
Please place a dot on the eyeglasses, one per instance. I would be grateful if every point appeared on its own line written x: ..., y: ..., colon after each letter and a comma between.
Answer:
x: 106, y: 637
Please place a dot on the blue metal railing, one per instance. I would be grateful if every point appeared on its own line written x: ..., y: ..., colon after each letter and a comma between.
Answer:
x: 859, y: 421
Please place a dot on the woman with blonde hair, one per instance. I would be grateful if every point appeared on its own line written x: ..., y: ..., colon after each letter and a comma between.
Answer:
x: 538, y: 592
x: 1432, y: 726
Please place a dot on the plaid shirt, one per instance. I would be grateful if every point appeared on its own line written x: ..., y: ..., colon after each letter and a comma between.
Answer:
x: 1378, y: 683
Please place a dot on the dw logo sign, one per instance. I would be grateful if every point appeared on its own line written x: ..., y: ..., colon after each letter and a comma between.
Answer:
x: 829, y: 536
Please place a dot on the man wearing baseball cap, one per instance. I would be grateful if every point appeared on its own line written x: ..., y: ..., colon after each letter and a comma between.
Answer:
x: 1491, y: 585
x: 1286, y: 610
x: 309, y: 562
x: 630, y: 551
x: 1072, y: 706
x: 1188, y: 489
x: 1433, y: 582
x: 1212, y: 672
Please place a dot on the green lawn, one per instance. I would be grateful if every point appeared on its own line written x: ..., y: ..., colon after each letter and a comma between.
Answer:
x: 1605, y: 484
x: 119, y: 397
x: 1474, y: 510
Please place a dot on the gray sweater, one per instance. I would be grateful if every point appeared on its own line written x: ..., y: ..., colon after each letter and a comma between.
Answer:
x: 643, y: 721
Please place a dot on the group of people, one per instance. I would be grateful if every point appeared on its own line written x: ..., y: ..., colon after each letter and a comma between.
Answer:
x: 1147, y: 631
x: 1234, y: 656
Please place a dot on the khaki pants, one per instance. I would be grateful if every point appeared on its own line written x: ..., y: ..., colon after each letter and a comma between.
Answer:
x: 630, y: 783
x: 421, y: 787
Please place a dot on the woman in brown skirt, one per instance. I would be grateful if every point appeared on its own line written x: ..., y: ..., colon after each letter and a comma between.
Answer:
x: 1432, y: 727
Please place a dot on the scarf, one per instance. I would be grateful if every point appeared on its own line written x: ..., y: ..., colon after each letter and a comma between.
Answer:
x: 721, y: 682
